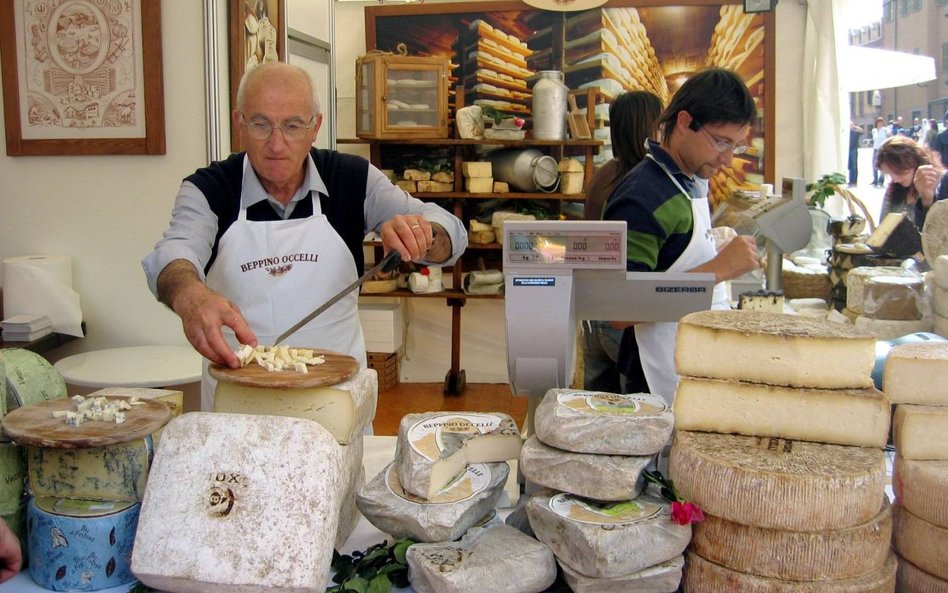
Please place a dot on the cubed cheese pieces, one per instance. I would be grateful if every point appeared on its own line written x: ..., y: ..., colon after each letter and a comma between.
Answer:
x: 909, y: 370
x: 343, y: 409
x: 435, y: 447
x: 773, y: 348
x: 921, y: 432
x: 496, y: 558
x: 603, y: 423
x: 607, y: 540
x: 602, y: 477
x: 236, y: 502
x: 858, y: 417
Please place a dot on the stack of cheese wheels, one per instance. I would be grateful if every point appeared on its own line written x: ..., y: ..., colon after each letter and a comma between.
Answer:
x: 779, y: 438
x: 888, y: 301
x: 589, y: 452
x: 239, y: 502
x: 940, y: 296
x: 344, y: 404
x: 12, y: 473
x: 849, y: 253
x: 913, y: 379
x: 449, y: 472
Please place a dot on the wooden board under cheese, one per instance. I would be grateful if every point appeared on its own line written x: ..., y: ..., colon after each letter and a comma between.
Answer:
x: 337, y: 368
x: 33, y: 425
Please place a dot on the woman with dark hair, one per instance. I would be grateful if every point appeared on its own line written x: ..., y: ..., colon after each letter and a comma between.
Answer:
x: 632, y: 119
x: 916, y: 184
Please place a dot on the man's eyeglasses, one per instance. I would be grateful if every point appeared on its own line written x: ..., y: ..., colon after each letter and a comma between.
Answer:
x: 261, y: 129
x: 722, y: 145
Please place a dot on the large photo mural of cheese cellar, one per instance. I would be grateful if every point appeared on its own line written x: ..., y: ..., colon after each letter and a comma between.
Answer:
x: 497, y: 52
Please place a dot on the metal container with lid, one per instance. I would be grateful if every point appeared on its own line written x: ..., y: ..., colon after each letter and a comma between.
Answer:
x: 525, y: 169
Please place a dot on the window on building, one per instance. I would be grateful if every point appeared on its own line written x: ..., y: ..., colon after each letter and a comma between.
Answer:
x: 888, y: 10
x: 944, y: 57
x: 907, y: 7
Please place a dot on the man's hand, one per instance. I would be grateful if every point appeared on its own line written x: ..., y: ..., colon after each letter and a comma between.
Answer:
x: 737, y: 257
x: 203, y: 312
x: 11, y: 556
x: 415, y: 238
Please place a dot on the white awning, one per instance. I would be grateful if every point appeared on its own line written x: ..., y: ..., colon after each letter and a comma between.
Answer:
x: 868, y: 68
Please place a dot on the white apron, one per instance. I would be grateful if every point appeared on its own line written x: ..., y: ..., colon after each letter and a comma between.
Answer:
x: 277, y: 272
x: 656, y: 341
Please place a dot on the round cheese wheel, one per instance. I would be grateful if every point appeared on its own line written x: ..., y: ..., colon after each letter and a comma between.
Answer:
x: 912, y: 579
x: 921, y: 543
x: 922, y: 488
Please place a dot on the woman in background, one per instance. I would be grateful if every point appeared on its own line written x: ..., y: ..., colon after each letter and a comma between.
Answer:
x: 632, y: 119
x: 916, y: 184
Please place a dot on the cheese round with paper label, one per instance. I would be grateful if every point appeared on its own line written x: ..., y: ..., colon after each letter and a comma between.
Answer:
x: 607, y: 539
x: 30, y: 379
x: 12, y: 477
x: 603, y: 423
x: 433, y: 448
x: 80, y: 545
x: 445, y: 517
x: 3, y: 386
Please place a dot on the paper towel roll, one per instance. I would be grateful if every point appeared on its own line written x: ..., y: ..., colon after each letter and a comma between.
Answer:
x: 42, y: 285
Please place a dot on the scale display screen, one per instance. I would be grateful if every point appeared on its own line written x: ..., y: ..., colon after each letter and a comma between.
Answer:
x: 564, y: 245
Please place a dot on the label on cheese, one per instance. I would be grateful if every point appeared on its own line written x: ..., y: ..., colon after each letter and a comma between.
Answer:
x: 445, y: 433
x: 12, y: 477
x: 30, y: 379
x: 468, y: 485
x: 80, y: 545
x: 614, y: 404
x: 602, y: 513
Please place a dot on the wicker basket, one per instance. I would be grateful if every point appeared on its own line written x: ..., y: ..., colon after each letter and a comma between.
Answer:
x: 803, y: 285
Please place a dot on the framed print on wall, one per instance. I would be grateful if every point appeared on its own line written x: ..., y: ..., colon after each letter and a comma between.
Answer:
x: 257, y: 35
x: 82, y: 77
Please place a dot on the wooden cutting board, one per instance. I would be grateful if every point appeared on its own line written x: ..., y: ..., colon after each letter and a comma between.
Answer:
x: 337, y: 368
x: 32, y: 425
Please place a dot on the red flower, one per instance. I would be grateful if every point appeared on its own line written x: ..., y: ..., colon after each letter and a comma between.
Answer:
x: 684, y: 513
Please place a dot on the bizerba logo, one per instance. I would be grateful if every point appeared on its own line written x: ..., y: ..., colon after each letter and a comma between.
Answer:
x: 681, y: 289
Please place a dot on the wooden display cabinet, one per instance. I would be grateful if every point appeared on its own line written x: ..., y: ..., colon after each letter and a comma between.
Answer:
x: 401, y: 97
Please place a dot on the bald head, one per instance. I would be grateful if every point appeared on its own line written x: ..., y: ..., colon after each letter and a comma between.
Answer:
x: 268, y: 72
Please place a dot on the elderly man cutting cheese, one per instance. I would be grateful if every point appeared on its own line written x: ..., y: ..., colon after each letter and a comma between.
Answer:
x: 258, y: 240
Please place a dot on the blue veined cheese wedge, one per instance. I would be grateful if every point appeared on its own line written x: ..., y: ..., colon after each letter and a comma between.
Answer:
x: 454, y: 510
x: 80, y: 545
x: 12, y: 477
x: 116, y: 472
x: 30, y: 379
x: 604, y: 423
x: 434, y: 448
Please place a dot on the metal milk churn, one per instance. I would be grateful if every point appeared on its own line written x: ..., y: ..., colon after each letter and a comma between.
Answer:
x: 549, y: 106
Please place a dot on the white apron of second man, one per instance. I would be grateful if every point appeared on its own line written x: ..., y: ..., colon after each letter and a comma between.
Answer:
x: 259, y: 240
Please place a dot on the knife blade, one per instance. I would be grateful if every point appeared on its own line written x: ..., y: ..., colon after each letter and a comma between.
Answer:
x: 387, y: 264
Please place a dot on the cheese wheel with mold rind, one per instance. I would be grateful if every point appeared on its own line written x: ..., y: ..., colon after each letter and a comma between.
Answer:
x: 921, y: 543
x: 935, y: 231
x: 803, y: 413
x: 778, y: 483
x: 607, y: 539
x: 912, y: 579
x: 241, y: 503
x: 921, y: 487
x: 433, y: 448
x: 446, y: 517
x: 497, y: 558
x: 774, y: 348
x: 602, y: 477
x: 796, y: 555
x: 703, y: 576
x: 661, y: 578
x: 12, y: 477
x: 603, y: 423
x: 909, y: 369
x: 349, y: 514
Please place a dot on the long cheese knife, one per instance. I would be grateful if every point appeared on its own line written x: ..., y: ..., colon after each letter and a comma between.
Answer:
x: 387, y: 264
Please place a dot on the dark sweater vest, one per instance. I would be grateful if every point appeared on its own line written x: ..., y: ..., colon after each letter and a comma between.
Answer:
x: 343, y: 174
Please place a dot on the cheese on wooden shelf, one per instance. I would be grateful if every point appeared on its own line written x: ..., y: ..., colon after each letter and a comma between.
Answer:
x: 607, y: 539
x: 661, y: 578
x: 445, y: 517
x: 80, y: 545
x: 922, y: 488
x: 702, y: 576
x: 602, y: 477
x: 778, y: 483
x: 433, y: 448
x: 603, y: 423
x: 796, y: 555
x: 909, y: 369
x: 921, y: 432
x: 343, y: 409
x: 921, y: 543
x: 116, y: 472
x: 497, y: 558
x: 774, y: 348
x: 237, y: 502
x: 12, y: 477
x: 912, y: 579
x: 856, y: 283
x: 858, y: 417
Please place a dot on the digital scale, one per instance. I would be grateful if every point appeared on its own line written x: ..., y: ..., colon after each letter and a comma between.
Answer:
x: 557, y: 273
